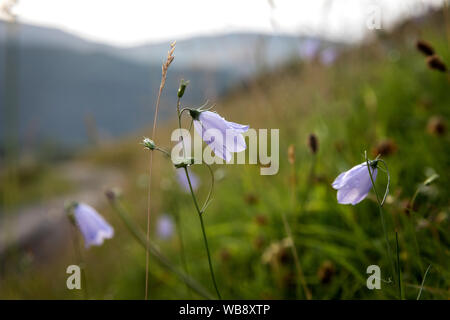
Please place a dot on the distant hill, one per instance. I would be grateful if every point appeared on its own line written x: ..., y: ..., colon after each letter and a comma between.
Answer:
x: 68, y: 86
x: 245, y: 53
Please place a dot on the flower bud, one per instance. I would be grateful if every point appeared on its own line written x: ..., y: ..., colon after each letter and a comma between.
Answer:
x: 313, y: 143
x: 384, y: 148
x: 113, y: 194
x: 183, y: 162
x: 435, y: 63
x: 436, y: 125
x: 182, y: 88
x: 430, y: 179
x: 195, y: 114
x: 69, y: 207
x: 326, y: 272
x: 148, y: 143
x: 291, y: 154
x: 425, y: 48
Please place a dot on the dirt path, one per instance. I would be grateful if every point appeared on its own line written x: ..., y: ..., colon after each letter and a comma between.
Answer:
x: 43, y: 227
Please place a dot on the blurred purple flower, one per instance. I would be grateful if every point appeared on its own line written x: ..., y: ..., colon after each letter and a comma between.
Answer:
x: 309, y: 48
x: 354, y: 185
x: 165, y: 226
x: 183, y: 181
x: 328, y: 55
x: 221, y: 135
x: 92, y: 225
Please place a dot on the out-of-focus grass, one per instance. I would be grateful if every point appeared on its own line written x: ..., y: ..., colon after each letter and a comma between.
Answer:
x: 376, y: 92
x: 32, y: 183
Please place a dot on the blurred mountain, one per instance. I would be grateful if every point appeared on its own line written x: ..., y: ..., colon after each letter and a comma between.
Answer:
x: 71, y: 90
x: 244, y: 53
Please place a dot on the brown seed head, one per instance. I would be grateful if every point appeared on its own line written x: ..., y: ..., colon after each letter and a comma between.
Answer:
x: 225, y: 255
x: 291, y: 154
x: 424, y: 47
x: 326, y: 272
x: 313, y: 143
x: 251, y: 198
x: 384, y: 148
x: 261, y: 220
x: 436, y: 125
x: 259, y: 242
x: 435, y: 63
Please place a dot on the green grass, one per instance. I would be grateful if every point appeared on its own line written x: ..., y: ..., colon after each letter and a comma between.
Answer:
x: 382, y: 90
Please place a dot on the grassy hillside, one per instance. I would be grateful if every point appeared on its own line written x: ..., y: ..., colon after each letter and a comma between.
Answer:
x: 380, y: 97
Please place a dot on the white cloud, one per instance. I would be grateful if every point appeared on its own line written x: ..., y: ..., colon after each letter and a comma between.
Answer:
x: 131, y: 22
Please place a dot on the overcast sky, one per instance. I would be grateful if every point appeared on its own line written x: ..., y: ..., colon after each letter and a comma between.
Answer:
x: 133, y: 22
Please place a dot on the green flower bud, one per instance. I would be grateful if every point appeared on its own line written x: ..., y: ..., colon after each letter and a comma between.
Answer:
x: 373, y: 163
x: 148, y: 143
x: 195, y: 114
x: 182, y: 88
x: 183, y: 162
x: 431, y: 179
x: 69, y: 207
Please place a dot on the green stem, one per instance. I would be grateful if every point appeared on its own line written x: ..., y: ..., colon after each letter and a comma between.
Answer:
x: 152, y: 248
x: 296, y: 258
x: 205, y: 239
x: 380, y: 205
x: 399, y: 274
x: 423, y: 282
x: 208, y: 197
x: 411, y: 223
x: 77, y: 249
x: 179, y: 125
x: 411, y: 203
x: 183, y: 254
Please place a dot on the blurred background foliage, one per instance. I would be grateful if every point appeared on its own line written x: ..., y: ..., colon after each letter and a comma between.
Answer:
x: 378, y: 96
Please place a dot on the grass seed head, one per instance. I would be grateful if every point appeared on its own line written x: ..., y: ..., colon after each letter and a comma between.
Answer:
x: 313, y: 143
x: 425, y: 47
x: 291, y: 154
x: 435, y: 63
x: 436, y: 126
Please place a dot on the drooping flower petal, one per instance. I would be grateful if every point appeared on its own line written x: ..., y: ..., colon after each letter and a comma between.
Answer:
x: 221, y: 135
x: 241, y: 128
x: 92, y: 225
x: 354, y: 185
x: 341, y: 179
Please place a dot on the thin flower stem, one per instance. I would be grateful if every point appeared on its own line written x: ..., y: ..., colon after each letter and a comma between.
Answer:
x: 423, y: 282
x: 411, y: 227
x: 165, y: 67
x: 413, y: 199
x: 183, y: 254
x: 205, y: 239
x: 288, y: 231
x: 200, y: 211
x: 163, y: 151
x: 380, y: 206
x: 296, y: 258
x: 399, y: 273
x: 79, y: 255
x: 179, y: 125
x: 411, y: 222
x: 388, y: 182
x: 208, y: 198
x: 153, y: 249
